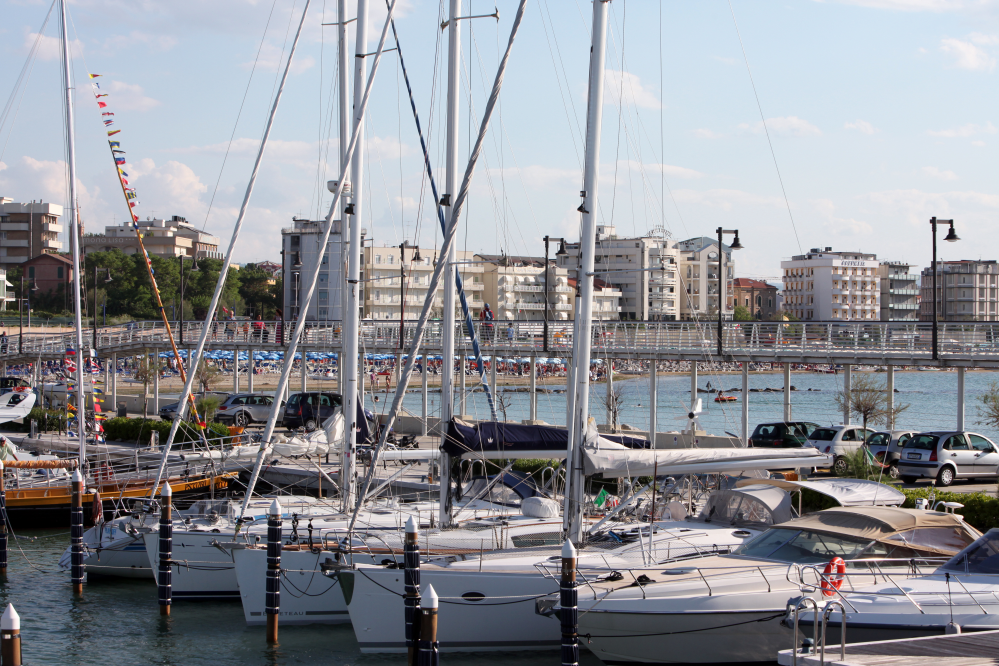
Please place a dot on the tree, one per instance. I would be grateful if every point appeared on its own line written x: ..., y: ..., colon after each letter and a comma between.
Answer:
x: 741, y: 313
x: 988, y: 410
x: 613, y: 404
x: 206, y: 375
x: 868, y: 400
x: 145, y: 372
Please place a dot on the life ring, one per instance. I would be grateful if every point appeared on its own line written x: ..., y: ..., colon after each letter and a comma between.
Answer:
x: 833, y: 575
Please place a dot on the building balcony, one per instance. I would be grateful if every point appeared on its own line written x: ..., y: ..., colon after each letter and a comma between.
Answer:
x: 528, y: 287
x: 563, y: 306
x: 52, y: 227
x: 904, y: 291
x: 15, y: 226
x: 14, y: 243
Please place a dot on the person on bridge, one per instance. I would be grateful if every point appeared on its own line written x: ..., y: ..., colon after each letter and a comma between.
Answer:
x: 486, y: 317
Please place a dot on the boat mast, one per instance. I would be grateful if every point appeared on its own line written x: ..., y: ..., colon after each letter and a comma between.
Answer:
x: 354, y: 218
x: 450, y: 191
x: 74, y: 239
x: 584, y: 275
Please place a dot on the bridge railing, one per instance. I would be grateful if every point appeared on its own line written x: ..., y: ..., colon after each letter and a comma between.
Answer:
x: 776, y: 339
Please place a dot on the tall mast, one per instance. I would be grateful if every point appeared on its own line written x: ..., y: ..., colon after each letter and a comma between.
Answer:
x: 450, y: 191
x: 74, y: 236
x: 584, y: 276
x: 344, y: 78
x: 354, y: 220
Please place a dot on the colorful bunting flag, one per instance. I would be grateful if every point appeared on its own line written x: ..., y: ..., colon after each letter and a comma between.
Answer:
x: 115, y: 144
x: 119, y: 160
x: 94, y: 76
x: 107, y: 113
x: 101, y: 105
x: 113, y: 132
x: 108, y: 122
x: 101, y: 95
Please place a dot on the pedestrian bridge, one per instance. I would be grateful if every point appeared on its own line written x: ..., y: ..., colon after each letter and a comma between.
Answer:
x: 881, y: 343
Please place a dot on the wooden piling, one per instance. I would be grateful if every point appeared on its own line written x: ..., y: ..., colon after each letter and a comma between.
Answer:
x: 568, y: 613
x: 273, y: 599
x: 165, y: 572
x: 76, y: 534
x: 429, y: 653
x: 3, y: 527
x: 10, y: 637
x: 411, y: 563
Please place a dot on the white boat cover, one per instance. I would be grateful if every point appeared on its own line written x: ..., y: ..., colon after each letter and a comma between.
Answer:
x: 15, y: 405
x: 848, y: 492
x: 317, y: 442
x: 637, y: 462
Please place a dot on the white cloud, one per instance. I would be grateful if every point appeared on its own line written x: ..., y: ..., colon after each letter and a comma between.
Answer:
x: 50, y: 48
x: 272, y: 58
x: 964, y: 131
x: 139, y: 38
x: 825, y: 210
x: 537, y: 176
x: 174, y: 186
x: 917, y: 206
x: 706, y: 134
x: 668, y: 169
x: 919, y: 5
x: 940, y: 174
x: 726, y: 199
x: 861, y: 126
x: 128, y: 97
x: 785, y: 126
x: 727, y: 61
x: 303, y: 154
x: 630, y: 86
x: 967, y: 55
x: 978, y: 144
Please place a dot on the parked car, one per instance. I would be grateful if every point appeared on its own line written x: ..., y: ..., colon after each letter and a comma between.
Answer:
x: 167, y: 412
x: 839, y: 440
x: 886, y: 446
x: 310, y: 409
x: 243, y: 409
x: 948, y: 455
x: 790, y: 435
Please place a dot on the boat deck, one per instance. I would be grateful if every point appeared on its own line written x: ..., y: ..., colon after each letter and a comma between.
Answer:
x: 973, y: 649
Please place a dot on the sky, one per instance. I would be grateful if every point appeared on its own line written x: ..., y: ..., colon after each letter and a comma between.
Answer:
x: 801, y: 123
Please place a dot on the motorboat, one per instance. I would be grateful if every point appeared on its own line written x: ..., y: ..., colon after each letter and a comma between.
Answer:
x: 961, y: 595
x: 729, y: 609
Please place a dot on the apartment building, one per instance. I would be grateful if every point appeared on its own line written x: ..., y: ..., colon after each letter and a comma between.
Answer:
x: 300, y: 251
x: 756, y: 296
x: 515, y: 288
x: 833, y: 286
x: 398, y: 282
x: 966, y: 291
x: 625, y: 262
x: 899, y: 291
x: 698, y: 278
x: 174, y: 237
x: 28, y: 230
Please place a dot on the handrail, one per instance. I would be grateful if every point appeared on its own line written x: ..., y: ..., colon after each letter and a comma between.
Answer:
x: 826, y: 612
x: 804, y: 601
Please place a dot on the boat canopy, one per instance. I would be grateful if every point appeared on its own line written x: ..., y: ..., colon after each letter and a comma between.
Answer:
x: 747, y: 505
x: 847, y: 492
x: 878, y: 522
x: 496, y: 439
x: 622, y: 462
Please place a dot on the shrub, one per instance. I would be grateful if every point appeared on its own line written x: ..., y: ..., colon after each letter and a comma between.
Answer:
x: 981, y: 510
x: 140, y: 431
x: 48, y: 419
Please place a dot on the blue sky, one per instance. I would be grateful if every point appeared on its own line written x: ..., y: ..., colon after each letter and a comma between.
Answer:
x: 881, y: 114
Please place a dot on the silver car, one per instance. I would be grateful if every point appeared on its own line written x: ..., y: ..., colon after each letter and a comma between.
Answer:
x: 242, y: 409
x: 948, y: 455
x: 168, y: 412
x: 886, y: 446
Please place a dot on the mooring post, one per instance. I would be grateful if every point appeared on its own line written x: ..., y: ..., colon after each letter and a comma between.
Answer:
x: 273, y: 600
x: 411, y: 562
x: 3, y: 528
x: 76, y: 533
x: 10, y: 637
x: 429, y: 649
x: 164, y: 574
x: 567, y: 606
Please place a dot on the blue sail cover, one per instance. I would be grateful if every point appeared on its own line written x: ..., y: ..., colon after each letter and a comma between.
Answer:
x: 495, y: 437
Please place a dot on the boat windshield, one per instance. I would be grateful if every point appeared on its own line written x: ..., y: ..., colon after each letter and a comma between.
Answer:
x: 982, y: 557
x: 735, y: 509
x: 802, y: 546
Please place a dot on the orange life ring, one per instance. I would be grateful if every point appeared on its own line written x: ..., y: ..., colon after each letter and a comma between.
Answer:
x: 832, y: 576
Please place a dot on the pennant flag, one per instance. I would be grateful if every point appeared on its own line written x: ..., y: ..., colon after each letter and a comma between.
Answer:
x: 70, y: 352
x: 113, y: 132
x: 119, y: 160
x: 99, y: 96
x: 108, y: 113
x: 132, y: 204
x: 115, y: 144
x: 101, y: 105
x: 108, y: 122
x: 117, y: 152
x: 124, y: 181
x: 129, y: 195
x: 94, y: 76
x: 96, y: 85
x: 122, y: 173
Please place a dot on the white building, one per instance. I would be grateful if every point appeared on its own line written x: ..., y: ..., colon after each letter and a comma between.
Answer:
x: 28, y: 230
x: 300, y: 250
x: 392, y: 292
x: 832, y: 286
x: 515, y: 288
x: 163, y: 238
x: 966, y: 291
x: 625, y: 262
x: 698, y: 271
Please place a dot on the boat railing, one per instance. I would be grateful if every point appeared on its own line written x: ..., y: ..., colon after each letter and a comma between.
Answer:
x: 802, y: 603
x: 826, y: 612
x: 912, y: 595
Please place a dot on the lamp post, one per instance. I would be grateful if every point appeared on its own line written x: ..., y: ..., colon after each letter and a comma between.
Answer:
x: 950, y: 238
x: 402, y: 287
x: 106, y: 280
x: 560, y: 253
x: 736, y: 245
x: 183, y: 283
x: 20, y: 315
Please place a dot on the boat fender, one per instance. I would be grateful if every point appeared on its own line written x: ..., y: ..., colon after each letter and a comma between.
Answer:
x: 832, y: 576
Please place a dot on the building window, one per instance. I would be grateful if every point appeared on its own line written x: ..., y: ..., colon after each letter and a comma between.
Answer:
x: 31, y: 272
x: 391, y: 259
x: 378, y: 258
x: 59, y: 273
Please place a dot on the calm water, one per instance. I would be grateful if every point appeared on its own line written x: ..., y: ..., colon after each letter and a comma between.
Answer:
x: 932, y: 397
x: 118, y: 624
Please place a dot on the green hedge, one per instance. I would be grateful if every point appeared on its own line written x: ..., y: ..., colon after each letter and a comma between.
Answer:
x: 140, y: 430
x: 981, y: 510
x: 48, y: 420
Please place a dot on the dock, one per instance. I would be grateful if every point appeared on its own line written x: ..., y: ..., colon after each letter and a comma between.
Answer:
x: 979, y: 648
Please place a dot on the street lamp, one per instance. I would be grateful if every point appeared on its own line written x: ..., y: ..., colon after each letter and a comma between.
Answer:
x: 183, y: 283
x: 20, y: 315
x: 560, y: 253
x: 106, y: 280
x: 736, y: 245
x: 402, y: 286
x: 950, y: 238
